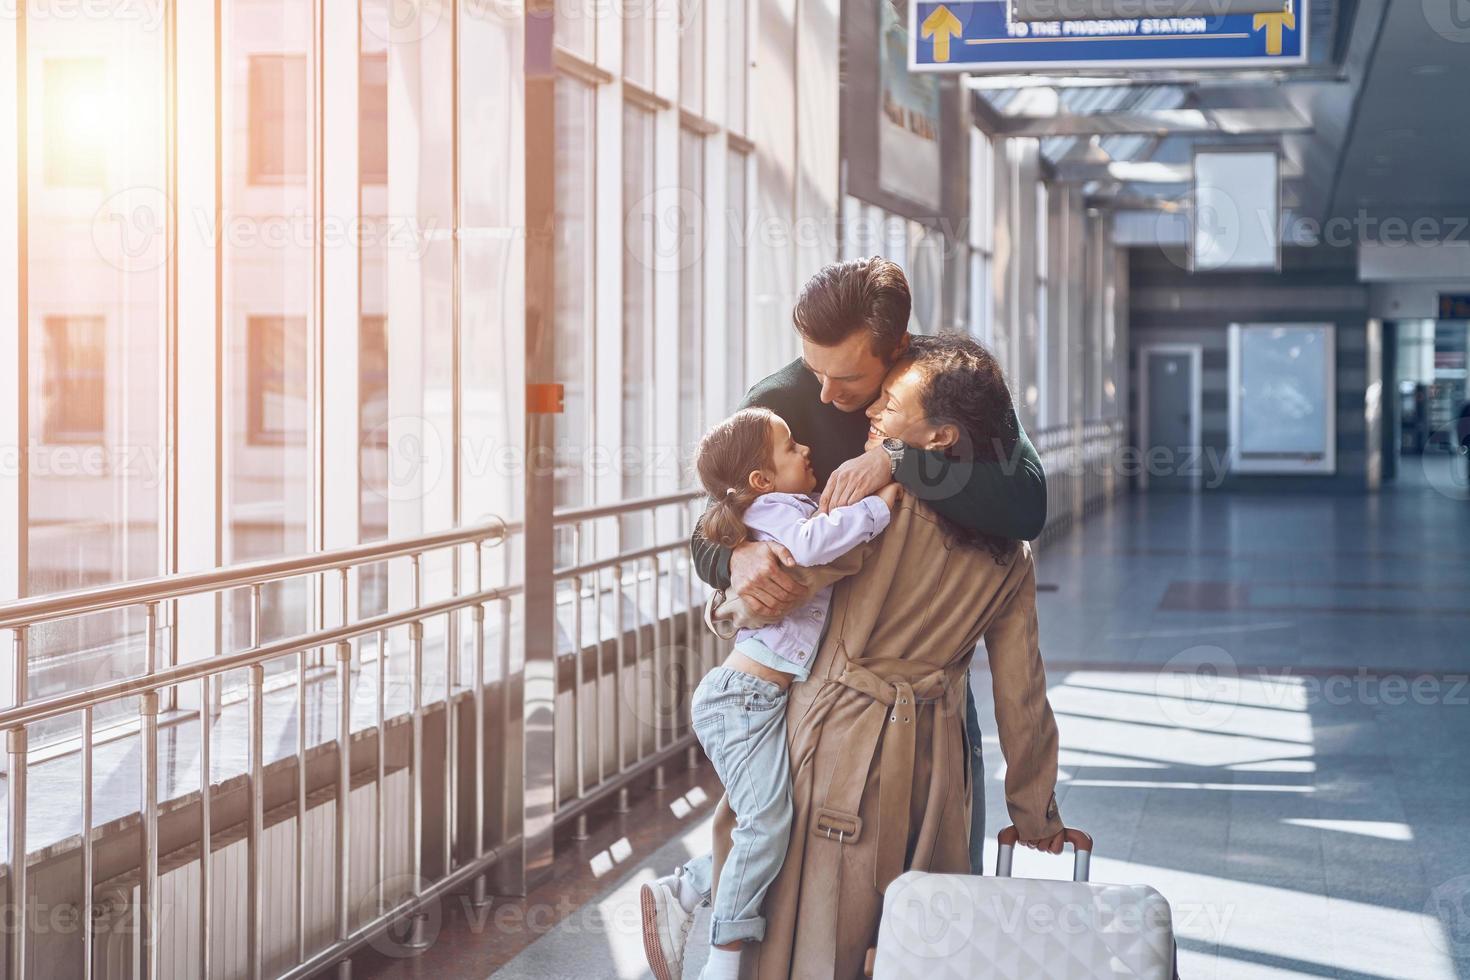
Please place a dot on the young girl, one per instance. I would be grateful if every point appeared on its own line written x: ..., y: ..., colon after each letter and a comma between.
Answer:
x: 758, y: 478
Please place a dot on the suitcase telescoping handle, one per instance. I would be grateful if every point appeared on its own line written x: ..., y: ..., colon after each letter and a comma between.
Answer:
x: 1081, y: 848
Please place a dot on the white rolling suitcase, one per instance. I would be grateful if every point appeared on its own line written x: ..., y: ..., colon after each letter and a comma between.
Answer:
x: 947, y: 927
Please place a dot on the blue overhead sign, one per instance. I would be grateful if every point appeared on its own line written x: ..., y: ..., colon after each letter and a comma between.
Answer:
x: 979, y: 35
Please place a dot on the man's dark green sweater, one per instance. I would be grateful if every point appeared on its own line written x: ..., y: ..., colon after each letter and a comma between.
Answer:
x: 1005, y: 498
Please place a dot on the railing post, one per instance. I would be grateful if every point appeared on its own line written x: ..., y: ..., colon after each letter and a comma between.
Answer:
x: 579, y: 749
x: 299, y: 844
x: 621, y: 664
x: 88, y: 870
x: 148, y: 910
x: 597, y: 676
x: 206, y: 827
x: 380, y: 855
x: 415, y: 938
x: 659, y: 706
x: 255, y: 907
x: 477, y: 614
x: 451, y: 729
x: 20, y: 898
x: 344, y: 789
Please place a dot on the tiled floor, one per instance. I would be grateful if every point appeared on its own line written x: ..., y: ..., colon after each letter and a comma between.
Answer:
x: 1264, y: 714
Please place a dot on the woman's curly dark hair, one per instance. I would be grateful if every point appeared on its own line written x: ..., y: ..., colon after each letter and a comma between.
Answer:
x: 964, y: 385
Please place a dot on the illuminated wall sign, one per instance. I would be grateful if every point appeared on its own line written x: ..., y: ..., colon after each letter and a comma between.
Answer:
x: 981, y: 35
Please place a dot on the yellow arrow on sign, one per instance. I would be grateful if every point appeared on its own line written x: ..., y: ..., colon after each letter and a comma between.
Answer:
x: 940, y: 25
x: 1274, y: 24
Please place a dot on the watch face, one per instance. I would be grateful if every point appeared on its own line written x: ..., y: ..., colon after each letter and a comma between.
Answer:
x: 893, y: 445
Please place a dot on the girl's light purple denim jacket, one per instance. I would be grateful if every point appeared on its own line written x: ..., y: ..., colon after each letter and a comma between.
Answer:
x: 813, y: 539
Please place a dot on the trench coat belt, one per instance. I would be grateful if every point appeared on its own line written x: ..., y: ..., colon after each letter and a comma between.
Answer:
x: 897, y: 688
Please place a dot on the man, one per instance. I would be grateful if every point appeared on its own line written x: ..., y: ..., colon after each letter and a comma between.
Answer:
x: 852, y: 318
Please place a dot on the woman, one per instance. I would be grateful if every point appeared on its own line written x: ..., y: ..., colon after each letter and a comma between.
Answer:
x: 880, y: 780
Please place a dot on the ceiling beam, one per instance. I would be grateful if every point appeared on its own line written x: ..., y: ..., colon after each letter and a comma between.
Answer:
x: 1142, y: 171
x: 1082, y: 171
x: 1159, y: 122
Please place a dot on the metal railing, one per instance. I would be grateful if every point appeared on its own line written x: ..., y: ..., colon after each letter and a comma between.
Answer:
x: 655, y: 661
x: 1082, y: 465
x: 657, y: 657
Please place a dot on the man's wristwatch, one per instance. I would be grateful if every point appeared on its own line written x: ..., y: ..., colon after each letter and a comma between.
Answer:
x: 894, y: 449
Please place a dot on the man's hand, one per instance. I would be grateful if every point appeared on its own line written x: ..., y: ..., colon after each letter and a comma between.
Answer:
x: 856, y: 479
x: 758, y: 575
x: 891, y: 495
x: 1052, y: 844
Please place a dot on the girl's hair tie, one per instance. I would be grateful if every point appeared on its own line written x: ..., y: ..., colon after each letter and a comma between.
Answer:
x: 730, y: 492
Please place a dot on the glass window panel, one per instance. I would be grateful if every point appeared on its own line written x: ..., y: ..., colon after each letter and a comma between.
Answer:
x: 638, y: 267
x: 981, y: 324
x: 691, y: 53
x: 735, y: 290
x: 576, y: 26
x: 925, y: 271
x: 982, y: 189
x: 492, y: 269
x: 575, y: 262
x: 638, y: 25
x: 737, y: 63
x: 895, y: 243
x: 267, y: 300
x: 372, y: 353
x: 691, y: 295
x: 94, y: 257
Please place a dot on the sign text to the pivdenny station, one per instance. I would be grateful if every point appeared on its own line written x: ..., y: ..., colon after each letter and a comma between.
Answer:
x: 981, y: 35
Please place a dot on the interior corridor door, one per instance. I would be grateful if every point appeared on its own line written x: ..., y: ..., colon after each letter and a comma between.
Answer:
x: 1170, y: 431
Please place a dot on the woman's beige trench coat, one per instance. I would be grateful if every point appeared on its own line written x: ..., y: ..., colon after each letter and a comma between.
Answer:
x: 880, y: 780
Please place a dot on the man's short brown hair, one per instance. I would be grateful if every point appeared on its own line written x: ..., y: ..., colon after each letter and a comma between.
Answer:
x: 869, y: 294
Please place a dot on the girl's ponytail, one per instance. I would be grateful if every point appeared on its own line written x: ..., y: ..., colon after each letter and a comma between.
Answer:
x: 728, y: 454
x: 723, y: 523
